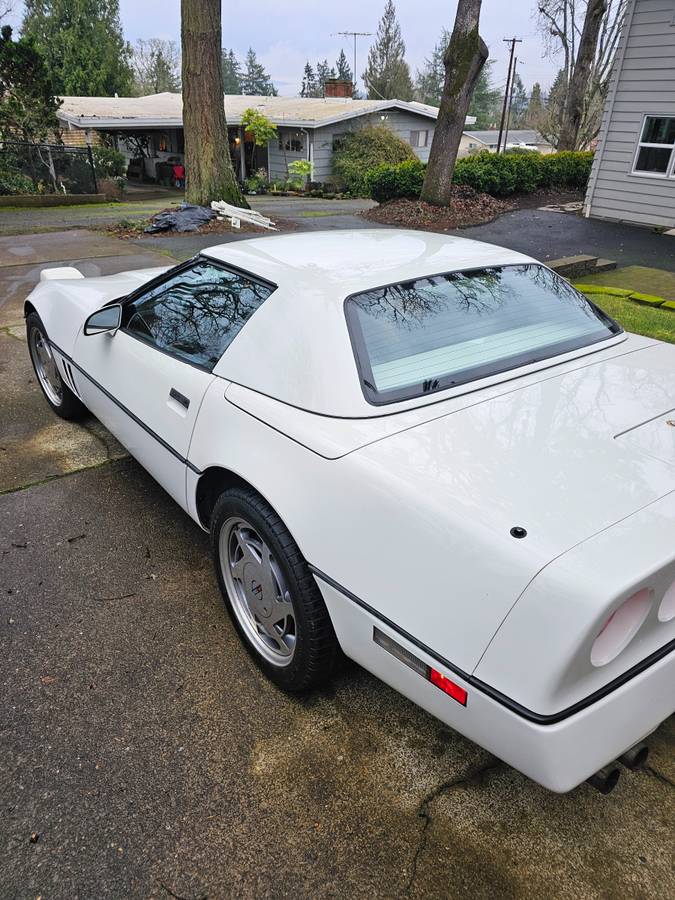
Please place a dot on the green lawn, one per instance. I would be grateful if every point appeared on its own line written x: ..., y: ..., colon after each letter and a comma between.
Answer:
x: 655, y: 323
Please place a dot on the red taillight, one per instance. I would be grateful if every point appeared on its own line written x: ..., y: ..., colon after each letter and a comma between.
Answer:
x: 449, y: 687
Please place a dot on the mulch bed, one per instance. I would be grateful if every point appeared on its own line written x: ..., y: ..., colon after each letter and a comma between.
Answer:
x: 549, y: 197
x: 466, y: 208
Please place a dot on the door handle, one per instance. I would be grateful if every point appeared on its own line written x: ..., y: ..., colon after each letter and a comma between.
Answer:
x: 179, y: 398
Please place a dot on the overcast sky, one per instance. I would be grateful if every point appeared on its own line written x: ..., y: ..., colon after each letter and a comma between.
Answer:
x: 284, y: 34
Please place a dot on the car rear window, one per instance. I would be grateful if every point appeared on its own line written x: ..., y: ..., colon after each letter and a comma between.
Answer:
x: 421, y: 336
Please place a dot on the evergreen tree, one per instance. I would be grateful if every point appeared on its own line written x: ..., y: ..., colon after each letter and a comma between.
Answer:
x: 343, y: 69
x: 27, y: 103
x: 387, y: 76
x: 231, y: 72
x: 552, y: 117
x: 323, y: 73
x: 210, y: 175
x: 429, y: 81
x: 535, y: 108
x: 156, y: 65
x: 254, y: 79
x: 486, y: 102
x: 518, y: 103
x: 82, y: 44
x: 308, y: 82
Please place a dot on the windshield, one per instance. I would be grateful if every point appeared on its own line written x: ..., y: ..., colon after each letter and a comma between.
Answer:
x: 422, y: 336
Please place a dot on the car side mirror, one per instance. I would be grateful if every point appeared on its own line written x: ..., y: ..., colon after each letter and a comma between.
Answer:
x: 104, y: 321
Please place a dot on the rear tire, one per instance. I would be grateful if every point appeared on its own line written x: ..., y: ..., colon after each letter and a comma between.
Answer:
x: 270, y: 593
x: 55, y: 390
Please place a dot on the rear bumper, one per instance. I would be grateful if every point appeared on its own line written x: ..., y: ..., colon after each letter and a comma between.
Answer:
x: 559, y: 755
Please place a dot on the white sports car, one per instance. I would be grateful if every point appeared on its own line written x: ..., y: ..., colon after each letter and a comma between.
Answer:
x: 432, y: 453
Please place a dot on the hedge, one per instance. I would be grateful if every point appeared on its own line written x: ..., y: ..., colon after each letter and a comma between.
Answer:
x: 388, y: 182
x: 490, y: 173
x: 363, y: 150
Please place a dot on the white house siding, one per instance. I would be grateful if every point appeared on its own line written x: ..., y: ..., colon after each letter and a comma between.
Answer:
x: 401, y: 123
x: 643, y: 83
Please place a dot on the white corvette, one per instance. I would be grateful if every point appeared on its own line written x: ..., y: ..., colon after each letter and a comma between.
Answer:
x: 432, y: 453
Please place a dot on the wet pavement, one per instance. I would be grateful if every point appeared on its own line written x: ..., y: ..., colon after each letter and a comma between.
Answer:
x: 551, y: 235
x: 142, y: 755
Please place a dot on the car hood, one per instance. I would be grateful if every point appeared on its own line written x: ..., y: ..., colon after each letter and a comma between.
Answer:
x: 563, y: 458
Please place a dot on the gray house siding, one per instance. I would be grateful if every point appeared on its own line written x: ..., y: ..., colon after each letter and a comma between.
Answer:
x: 321, y: 141
x: 643, y: 83
x: 281, y: 152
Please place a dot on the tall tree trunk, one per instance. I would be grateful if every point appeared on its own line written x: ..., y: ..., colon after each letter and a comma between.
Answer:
x: 208, y: 167
x: 464, y: 58
x: 573, y: 111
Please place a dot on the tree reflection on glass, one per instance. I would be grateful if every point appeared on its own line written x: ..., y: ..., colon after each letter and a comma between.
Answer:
x: 418, y: 336
x: 198, y: 313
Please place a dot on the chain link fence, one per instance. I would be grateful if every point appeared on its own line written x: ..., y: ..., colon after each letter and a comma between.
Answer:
x: 46, y: 169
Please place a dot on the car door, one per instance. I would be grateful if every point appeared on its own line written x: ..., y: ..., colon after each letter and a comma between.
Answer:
x: 146, y: 381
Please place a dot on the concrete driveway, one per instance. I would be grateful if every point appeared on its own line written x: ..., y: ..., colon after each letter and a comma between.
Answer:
x: 143, y: 756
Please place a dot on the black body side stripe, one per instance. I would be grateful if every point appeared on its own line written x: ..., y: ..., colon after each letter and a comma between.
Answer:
x: 493, y: 693
x: 139, y: 422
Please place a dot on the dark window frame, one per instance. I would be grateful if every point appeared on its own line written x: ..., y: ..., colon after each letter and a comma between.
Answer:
x: 165, y: 277
x: 413, y: 392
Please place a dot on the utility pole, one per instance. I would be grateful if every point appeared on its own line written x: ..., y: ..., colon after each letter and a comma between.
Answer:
x: 355, y: 35
x: 508, y: 112
x: 507, y: 93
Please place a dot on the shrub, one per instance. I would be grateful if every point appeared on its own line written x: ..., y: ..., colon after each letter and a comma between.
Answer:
x: 258, y: 182
x: 109, y: 162
x: 386, y: 182
x: 489, y: 173
x: 506, y: 173
x: 113, y: 188
x: 363, y: 150
x: 567, y: 169
x: 16, y: 183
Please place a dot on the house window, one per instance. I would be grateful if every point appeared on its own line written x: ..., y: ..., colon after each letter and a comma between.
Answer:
x: 292, y: 143
x: 338, y: 142
x: 655, y: 151
x: 419, y: 138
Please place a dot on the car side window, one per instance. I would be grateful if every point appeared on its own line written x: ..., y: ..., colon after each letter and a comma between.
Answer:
x: 196, y: 313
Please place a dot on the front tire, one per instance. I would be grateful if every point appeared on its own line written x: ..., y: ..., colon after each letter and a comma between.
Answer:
x: 270, y: 593
x: 56, y: 392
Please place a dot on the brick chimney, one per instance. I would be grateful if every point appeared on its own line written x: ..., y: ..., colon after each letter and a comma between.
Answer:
x: 334, y: 87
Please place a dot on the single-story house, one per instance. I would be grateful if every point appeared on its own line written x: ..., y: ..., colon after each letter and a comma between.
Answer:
x: 633, y: 174
x: 308, y: 128
x: 475, y: 141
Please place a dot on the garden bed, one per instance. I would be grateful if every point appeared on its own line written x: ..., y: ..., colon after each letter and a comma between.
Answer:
x: 467, y: 208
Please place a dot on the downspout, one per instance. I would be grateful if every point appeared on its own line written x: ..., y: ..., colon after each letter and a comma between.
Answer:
x: 309, y: 152
x: 609, y: 110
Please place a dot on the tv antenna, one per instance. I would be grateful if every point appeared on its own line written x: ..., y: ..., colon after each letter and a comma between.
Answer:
x: 355, y: 35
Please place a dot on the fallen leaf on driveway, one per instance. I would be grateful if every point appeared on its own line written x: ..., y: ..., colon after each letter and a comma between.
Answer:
x: 48, y: 679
